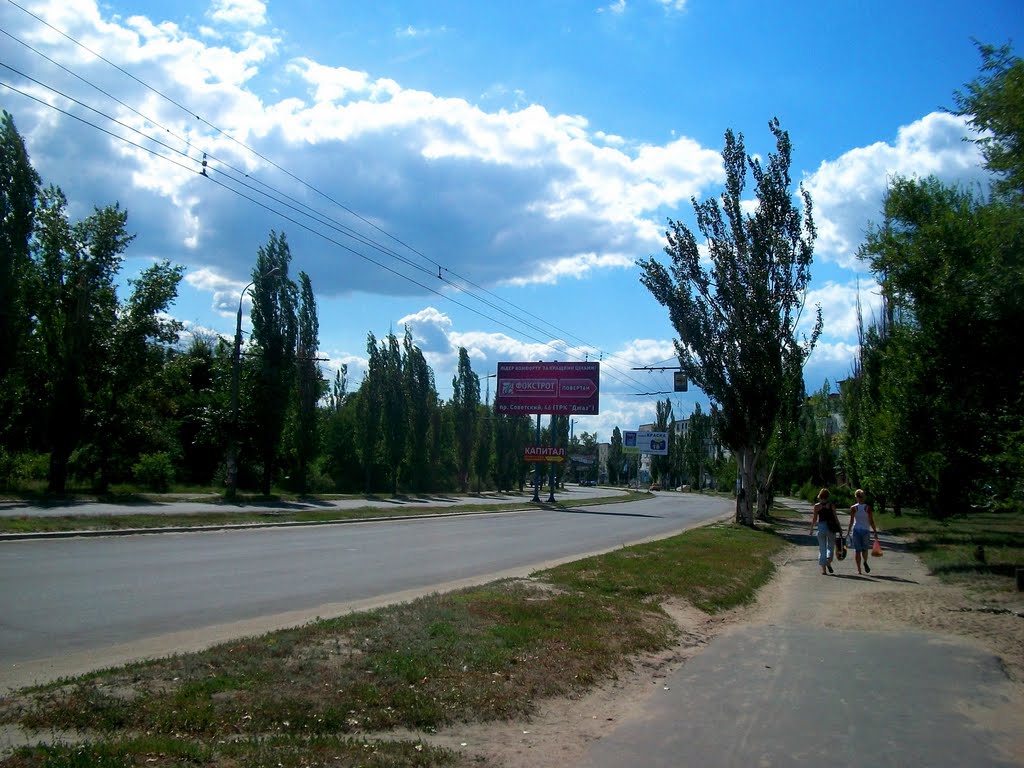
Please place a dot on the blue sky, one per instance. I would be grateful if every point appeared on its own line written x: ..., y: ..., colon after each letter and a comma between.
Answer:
x: 528, y: 152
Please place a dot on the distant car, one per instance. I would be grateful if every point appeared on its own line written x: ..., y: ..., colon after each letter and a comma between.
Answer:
x: 655, y: 486
x: 588, y: 482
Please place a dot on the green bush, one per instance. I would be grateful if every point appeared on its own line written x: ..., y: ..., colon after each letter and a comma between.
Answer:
x: 841, y: 496
x: 808, y: 492
x: 22, y: 470
x: 155, y: 471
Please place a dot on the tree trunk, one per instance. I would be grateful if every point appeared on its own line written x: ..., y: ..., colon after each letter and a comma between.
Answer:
x: 764, y: 493
x: 57, y: 476
x: 268, y: 471
x: 302, y: 470
x: 745, y: 494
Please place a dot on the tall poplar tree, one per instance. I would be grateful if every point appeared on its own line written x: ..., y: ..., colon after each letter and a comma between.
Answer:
x: 483, y: 457
x: 737, y: 318
x: 394, y: 412
x: 421, y: 401
x: 664, y: 421
x: 19, y: 188
x: 369, y: 406
x: 309, y: 385
x: 274, y: 332
x: 615, y: 457
x: 466, y: 402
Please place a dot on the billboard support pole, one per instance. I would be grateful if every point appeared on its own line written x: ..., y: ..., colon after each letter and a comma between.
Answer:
x: 536, y: 469
x: 551, y: 468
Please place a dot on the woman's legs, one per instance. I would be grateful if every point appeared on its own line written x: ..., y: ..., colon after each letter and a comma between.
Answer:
x: 861, y: 544
x: 822, y: 548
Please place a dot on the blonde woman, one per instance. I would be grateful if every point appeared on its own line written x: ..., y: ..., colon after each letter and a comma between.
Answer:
x: 862, y: 522
x: 825, y: 522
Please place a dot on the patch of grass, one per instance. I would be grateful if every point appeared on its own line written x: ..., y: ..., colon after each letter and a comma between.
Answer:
x: 714, y: 568
x: 481, y: 654
x: 274, y: 752
x: 979, y: 550
x: 270, y: 516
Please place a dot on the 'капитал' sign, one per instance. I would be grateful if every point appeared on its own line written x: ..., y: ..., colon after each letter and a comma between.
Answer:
x: 561, y: 389
x: 544, y: 453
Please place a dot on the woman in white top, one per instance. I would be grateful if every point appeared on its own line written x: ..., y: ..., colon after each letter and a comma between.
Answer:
x: 862, y: 522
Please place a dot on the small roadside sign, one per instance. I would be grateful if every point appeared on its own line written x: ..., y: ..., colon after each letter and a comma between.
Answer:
x: 544, y: 453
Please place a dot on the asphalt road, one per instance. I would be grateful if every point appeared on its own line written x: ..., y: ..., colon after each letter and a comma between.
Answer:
x: 73, y: 604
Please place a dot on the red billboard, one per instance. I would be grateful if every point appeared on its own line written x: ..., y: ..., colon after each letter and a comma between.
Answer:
x: 560, y: 389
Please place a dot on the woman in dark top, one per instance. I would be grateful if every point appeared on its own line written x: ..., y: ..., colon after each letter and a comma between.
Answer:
x: 825, y: 523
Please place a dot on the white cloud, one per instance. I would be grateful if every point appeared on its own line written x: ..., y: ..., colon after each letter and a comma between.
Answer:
x: 577, y: 267
x: 355, y: 371
x: 192, y: 330
x: 411, y: 31
x: 616, y: 7
x: 848, y: 192
x: 250, y: 13
x: 509, y: 195
x: 226, y: 292
x: 839, y: 307
x: 430, y: 330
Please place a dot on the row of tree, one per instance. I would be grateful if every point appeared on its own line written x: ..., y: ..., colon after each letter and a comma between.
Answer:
x: 96, y: 390
x: 933, y: 413
x: 935, y: 409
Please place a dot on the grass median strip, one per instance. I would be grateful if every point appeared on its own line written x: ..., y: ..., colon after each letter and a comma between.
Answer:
x: 272, y: 515
x: 315, y: 693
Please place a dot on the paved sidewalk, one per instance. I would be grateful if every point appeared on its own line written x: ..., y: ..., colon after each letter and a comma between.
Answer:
x: 795, y: 693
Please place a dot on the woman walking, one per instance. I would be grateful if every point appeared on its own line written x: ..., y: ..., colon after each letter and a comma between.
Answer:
x: 862, y: 522
x: 825, y: 523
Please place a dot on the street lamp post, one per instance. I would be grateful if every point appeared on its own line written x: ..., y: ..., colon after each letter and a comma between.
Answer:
x: 236, y: 354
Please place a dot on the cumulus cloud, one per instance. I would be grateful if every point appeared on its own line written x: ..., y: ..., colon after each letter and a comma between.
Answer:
x: 509, y: 195
x: 226, y: 292
x: 839, y: 306
x: 430, y: 330
x: 848, y: 192
x: 250, y: 13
